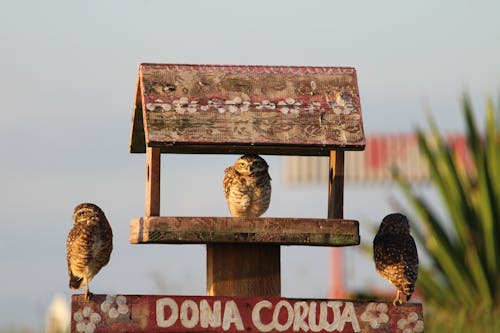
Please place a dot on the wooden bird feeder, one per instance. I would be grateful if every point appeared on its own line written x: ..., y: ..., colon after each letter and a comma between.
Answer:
x: 265, y: 110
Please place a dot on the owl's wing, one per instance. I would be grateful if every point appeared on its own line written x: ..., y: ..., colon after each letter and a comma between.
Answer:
x: 411, y: 258
x: 411, y: 249
x: 102, y: 245
x: 229, y: 176
x: 387, y: 250
x: 391, y: 251
x: 73, y: 256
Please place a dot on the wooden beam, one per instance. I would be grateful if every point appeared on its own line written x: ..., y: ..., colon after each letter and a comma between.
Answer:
x: 163, y: 313
x: 279, y: 231
x: 244, y: 148
x: 153, y: 168
x: 336, y: 185
x: 137, y: 136
x: 336, y: 210
x: 243, y: 270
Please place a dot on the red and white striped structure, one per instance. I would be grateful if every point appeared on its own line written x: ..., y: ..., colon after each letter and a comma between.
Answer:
x: 382, y: 153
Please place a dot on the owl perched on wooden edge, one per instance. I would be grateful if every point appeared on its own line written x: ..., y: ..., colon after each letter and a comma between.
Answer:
x: 88, y: 246
x: 395, y: 255
x: 247, y: 186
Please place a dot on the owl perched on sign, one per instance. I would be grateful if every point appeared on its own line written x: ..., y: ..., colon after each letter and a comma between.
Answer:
x: 88, y: 246
x: 395, y: 255
x: 247, y: 186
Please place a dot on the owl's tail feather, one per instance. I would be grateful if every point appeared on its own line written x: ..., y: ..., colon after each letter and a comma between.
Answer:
x: 75, y: 282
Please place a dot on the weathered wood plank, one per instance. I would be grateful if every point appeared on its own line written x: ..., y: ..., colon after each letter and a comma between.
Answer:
x: 336, y: 186
x: 336, y: 211
x: 243, y: 270
x: 283, y: 231
x: 242, y: 109
x: 240, y: 149
x: 153, y: 170
x: 154, y: 313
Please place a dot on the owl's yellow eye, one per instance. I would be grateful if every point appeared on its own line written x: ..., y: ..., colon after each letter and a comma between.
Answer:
x: 242, y: 164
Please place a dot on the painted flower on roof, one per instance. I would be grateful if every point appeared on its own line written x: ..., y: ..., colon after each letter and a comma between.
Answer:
x: 181, y: 105
x: 375, y: 314
x: 289, y: 105
x: 239, y: 104
x: 86, y: 320
x: 340, y: 102
x: 411, y: 324
x: 158, y: 105
x: 244, y: 106
x: 232, y: 105
x: 115, y: 306
x: 265, y: 104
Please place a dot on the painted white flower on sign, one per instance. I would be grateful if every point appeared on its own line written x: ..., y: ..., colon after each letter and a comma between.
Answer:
x: 375, y: 314
x: 411, y: 324
x: 114, y: 306
x: 86, y: 320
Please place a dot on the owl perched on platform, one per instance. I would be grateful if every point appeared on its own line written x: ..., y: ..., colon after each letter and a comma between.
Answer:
x: 395, y: 255
x: 247, y: 186
x: 88, y: 246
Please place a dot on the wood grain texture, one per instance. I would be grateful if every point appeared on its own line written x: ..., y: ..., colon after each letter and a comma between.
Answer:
x: 153, y: 170
x: 164, y: 313
x: 247, y: 109
x: 283, y: 231
x: 336, y: 211
x: 243, y: 270
x: 336, y: 186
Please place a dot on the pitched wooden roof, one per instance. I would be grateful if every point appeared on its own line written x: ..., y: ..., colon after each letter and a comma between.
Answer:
x: 243, y: 109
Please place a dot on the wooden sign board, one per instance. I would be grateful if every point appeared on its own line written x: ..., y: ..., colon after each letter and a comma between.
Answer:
x: 133, y: 313
x: 282, y: 110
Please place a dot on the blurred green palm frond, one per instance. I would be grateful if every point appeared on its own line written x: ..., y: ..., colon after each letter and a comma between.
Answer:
x: 464, y: 245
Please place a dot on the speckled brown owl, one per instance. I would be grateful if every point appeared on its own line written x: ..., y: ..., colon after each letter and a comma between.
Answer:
x: 247, y: 186
x: 88, y: 246
x: 395, y: 255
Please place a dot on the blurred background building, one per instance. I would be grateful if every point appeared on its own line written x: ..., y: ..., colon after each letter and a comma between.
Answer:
x: 382, y: 154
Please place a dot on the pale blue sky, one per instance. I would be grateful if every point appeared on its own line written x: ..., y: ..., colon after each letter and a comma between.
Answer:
x: 68, y: 78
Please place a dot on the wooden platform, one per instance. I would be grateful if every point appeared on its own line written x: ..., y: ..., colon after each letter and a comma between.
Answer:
x: 282, y: 231
x: 155, y: 313
x: 219, y: 109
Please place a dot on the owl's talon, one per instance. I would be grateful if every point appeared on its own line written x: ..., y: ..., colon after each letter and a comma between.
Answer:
x: 88, y: 296
x: 397, y: 301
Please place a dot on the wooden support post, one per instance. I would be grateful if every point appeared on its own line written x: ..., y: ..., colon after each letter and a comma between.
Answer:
x: 243, y: 270
x: 336, y: 185
x: 336, y: 210
x: 153, y: 158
